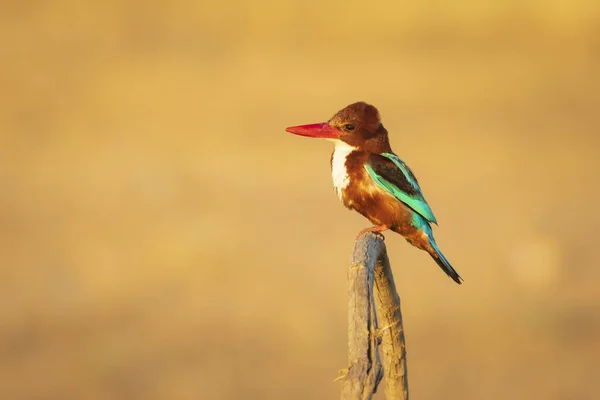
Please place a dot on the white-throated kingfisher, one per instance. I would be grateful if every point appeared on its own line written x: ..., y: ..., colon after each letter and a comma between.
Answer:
x: 369, y: 178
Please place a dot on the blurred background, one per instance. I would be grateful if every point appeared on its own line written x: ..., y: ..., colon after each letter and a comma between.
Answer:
x: 163, y: 237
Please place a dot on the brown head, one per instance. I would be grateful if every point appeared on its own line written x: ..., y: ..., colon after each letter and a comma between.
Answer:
x: 358, y: 124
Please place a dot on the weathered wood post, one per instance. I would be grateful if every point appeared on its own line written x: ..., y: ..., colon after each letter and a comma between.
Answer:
x: 374, y: 318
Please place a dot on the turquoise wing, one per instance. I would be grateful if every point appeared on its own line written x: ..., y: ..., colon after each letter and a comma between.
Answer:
x: 395, y: 177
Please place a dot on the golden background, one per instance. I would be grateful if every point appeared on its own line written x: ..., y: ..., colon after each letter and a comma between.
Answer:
x: 163, y: 237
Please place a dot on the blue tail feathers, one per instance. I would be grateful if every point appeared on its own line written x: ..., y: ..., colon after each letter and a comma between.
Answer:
x: 444, y: 264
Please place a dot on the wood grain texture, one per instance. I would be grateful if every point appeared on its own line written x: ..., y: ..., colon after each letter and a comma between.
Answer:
x: 391, y: 330
x: 373, y: 317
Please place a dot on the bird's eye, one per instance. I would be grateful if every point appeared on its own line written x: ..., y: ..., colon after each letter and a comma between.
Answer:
x: 349, y: 127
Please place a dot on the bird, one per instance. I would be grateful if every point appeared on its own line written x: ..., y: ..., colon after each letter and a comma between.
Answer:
x: 370, y: 178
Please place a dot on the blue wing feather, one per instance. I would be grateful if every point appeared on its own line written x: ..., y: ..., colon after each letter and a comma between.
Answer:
x: 414, y: 199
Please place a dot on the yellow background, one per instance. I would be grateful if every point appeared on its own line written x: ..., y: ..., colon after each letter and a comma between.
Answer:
x: 163, y: 237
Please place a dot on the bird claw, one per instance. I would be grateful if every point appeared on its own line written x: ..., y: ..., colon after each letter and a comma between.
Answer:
x: 375, y: 230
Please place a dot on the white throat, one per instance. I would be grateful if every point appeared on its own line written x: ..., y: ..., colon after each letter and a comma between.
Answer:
x: 338, y: 166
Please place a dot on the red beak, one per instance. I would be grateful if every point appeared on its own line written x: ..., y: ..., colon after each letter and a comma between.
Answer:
x: 322, y: 130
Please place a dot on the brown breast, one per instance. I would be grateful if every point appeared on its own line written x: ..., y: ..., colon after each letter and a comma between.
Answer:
x: 369, y: 199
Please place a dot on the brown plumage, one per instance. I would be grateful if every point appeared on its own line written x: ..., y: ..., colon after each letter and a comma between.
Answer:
x: 369, y: 178
x: 368, y: 134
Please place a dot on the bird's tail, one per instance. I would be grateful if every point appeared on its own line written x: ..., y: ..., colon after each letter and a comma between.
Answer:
x: 436, y: 254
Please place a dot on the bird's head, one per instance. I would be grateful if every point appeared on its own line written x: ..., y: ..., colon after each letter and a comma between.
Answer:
x: 358, y: 125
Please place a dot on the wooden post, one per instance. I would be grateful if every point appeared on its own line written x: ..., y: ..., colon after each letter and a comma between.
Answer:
x: 374, y: 317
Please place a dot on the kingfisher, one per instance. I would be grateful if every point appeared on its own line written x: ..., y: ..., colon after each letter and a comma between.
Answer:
x: 371, y: 179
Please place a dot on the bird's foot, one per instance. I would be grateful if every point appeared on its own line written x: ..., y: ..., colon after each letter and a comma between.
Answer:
x: 374, y: 229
